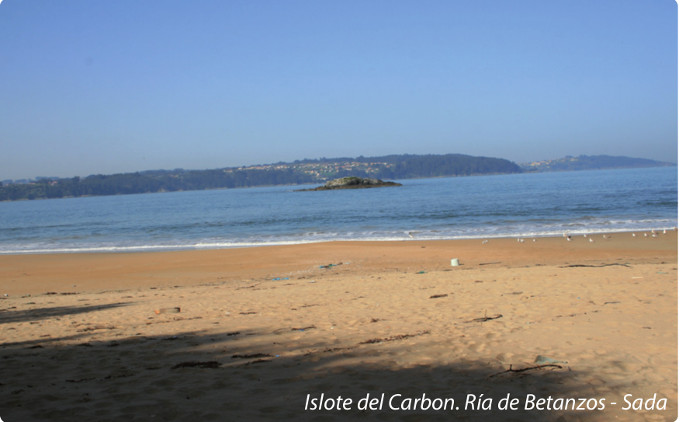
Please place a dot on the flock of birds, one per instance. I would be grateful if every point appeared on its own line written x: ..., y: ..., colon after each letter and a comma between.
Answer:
x: 652, y: 233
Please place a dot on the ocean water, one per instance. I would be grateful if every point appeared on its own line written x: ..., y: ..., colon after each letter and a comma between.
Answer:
x: 539, y: 204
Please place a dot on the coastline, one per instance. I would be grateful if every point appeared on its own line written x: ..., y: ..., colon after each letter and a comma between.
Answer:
x: 258, y: 333
x: 67, y: 272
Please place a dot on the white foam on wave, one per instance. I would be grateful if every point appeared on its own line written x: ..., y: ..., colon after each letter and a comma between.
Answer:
x: 414, y: 234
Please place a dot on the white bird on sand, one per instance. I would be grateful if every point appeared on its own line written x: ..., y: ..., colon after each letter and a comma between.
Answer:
x: 485, y: 241
x: 633, y: 234
x: 590, y: 239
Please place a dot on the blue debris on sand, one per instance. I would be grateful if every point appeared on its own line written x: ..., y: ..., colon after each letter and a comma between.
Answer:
x: 546, y: 360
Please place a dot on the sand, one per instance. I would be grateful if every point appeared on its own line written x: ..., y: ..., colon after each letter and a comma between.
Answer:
x: 384, y: 330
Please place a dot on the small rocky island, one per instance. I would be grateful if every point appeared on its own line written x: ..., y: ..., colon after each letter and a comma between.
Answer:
x: 353, y: 182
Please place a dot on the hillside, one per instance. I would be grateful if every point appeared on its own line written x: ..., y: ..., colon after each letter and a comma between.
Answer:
x: 308, y: 171
x: 296, y: 173
x: 591, y: 162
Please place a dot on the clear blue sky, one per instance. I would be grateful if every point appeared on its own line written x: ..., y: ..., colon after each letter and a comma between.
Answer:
x: 90, y: 86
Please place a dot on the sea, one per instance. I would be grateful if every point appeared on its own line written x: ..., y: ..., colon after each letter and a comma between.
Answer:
x: 477, y: 207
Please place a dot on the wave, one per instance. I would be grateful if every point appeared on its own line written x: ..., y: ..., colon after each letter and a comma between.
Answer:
x: 318, y: 237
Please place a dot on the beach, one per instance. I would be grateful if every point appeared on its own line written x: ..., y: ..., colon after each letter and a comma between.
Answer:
x: 535, y: 328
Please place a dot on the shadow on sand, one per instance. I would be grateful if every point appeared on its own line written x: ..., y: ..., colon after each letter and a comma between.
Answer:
x: 221, y: 376
x: 9, y: 316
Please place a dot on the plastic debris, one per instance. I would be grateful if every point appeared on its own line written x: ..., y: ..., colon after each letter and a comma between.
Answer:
x: 540, y: 359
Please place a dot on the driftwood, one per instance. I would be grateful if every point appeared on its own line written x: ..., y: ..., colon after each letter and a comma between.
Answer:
x: 394, y: 338
x: 529, y: 368
x: 486, y: 318
x: 303, y: 328
x: 252, y: 355
x: 594, y: 266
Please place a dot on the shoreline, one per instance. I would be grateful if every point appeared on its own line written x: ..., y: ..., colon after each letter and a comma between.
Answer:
x: 67, y: 272
x: 218, y: 246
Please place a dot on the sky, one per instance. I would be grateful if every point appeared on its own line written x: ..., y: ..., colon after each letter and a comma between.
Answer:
x: 102, y: 87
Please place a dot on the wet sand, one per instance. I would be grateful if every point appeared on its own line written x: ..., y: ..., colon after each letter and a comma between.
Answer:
x: 250, y: 333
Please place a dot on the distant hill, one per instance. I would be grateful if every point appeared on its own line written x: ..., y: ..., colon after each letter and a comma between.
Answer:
x: 307, y: 171
x: 591, y: 162
x: 296, y: 173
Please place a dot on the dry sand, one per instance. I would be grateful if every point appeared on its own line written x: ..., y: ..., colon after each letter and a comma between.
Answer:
x: 247, y: 334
